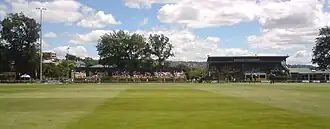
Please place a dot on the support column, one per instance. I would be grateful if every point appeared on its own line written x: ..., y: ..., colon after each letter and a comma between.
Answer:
x: 308, y: 77
x: 325, y: 77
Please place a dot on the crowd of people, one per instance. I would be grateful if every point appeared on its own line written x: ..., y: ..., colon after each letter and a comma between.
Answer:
x: 125, y: 74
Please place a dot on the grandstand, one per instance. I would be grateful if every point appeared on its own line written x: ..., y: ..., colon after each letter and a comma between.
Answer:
x: 241, y: 67
x: 109, y: 74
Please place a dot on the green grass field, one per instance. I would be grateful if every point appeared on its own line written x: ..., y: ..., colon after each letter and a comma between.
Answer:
x: 165, y: 106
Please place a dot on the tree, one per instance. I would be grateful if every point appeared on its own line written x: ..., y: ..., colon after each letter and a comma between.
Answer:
x: 21, y: 34
x: 51, y: 70
x: 72, y: 57
x: 65, y: 67
x: 122, y: 50
x: 197, y: 72
x: 90, y: 61
x: 182, y: 67
x: 321, y: 51
x: 161, y: 48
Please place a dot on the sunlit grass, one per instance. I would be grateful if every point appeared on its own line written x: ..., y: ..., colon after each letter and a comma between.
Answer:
x: 164, y: 106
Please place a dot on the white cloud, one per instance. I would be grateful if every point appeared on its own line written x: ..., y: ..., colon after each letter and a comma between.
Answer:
x: 286, y: 24
x: 301, y: 57
x: 3, y: 10
x: 50, y: 35
x: 290, y: 24
x: 98, y: 20
x: 79, y: 51
x: 64, y: 11
x: 206, y: 13
x: 91, y: 37
x: 212, y: 39
x: 87, y: 10
x: 146, y: 3
x: 44, y: 43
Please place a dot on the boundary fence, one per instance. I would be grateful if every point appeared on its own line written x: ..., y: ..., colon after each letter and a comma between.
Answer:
x: 157, y: 81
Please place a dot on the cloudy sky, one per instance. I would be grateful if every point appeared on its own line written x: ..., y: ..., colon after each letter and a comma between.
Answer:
x: 197, y: 28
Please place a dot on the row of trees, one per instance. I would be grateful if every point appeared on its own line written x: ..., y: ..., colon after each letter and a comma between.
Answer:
x: 63, y: 68
x: 60, y: 70
x: 133, y: 52
x: 19, y: 49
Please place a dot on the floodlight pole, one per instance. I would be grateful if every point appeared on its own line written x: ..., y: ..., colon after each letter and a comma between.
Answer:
x: 41, y: 59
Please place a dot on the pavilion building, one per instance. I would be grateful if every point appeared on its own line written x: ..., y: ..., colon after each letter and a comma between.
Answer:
x: 309, y: 75
x: 242, y: 67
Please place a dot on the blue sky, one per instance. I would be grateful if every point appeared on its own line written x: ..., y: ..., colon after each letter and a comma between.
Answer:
x: 197, y: 28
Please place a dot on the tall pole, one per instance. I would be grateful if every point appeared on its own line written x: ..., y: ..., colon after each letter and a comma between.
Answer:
x: 67, y: 58
x: 67, y: 52
x: 41, y: 59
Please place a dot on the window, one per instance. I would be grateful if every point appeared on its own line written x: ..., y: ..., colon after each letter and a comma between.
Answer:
x: 262, y: 76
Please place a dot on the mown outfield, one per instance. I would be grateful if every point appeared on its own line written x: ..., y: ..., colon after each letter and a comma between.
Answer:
x: 165, y: 106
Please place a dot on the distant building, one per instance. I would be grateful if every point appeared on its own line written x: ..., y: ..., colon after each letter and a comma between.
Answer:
x: 308, y: 74
x: 91, y: 70
x: 49, y: 55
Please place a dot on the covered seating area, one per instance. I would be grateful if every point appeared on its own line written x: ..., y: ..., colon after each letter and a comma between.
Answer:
x: 260, y: 76
x: 308, y: 75
x: 243, y: 67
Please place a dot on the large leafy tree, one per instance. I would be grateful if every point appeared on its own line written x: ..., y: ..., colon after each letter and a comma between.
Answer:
x: 122, y: 50
x: 21, y: 33
x: 161, y: 48
x: 321, y: 51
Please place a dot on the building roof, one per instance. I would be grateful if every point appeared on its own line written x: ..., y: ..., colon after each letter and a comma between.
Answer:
x: 97, y: 66
x: 248, y: 56
x: 245, y: 58
x: 48, y: 61
x: 307, y: 70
